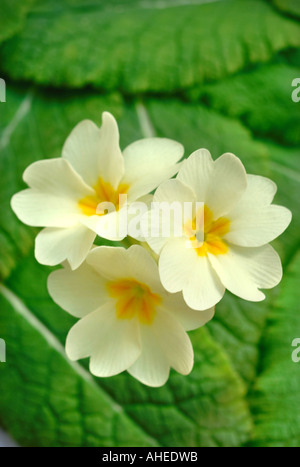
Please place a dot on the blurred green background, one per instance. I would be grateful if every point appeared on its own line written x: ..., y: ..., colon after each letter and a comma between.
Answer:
x: 212, y: 74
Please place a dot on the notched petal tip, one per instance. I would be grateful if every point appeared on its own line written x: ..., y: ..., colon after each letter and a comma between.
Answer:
x: 236, y: 162
x: 108, y: 116
x: 201, y: 153
x: 109, y: 120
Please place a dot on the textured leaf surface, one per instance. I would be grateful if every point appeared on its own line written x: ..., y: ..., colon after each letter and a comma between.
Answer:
x: 285, y: 171
x: 197, y: 126
x: 276, y: 392
x: 142, y: 46
x: 12, y: 15
x: 288, y: 6
x: 261, y: 99
x: 46, y: 400
x: 238, y: 325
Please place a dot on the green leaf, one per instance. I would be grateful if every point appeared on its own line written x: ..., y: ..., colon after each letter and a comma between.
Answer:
x: 261, y: 99
x: 276, y: 392
x: 61, y: 404
x: 12, y: 16
x: 288, y: 6
x: 48, y: 401
x: 144, y: 46
x: 285, y: 171
x: 197, y: 126
x: 238, y: 326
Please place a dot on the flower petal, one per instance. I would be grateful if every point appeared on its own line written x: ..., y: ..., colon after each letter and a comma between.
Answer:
x: 56, y: 176
x: 135, y: 262
x: 174, y: 342
x: 258, y: 225
x: 148, y: 162
x: 55, y: 245
x: 203, y: 289
x: 79, y: 292
x: 228, y: 182
x: 94, y: 152
x: 196, y: 171
x: 152, y: 227
x: 152, y: 367
x: 188, y: 318
x: 136, y: 211
x: 174, y: 190
x: 244, y: 270
x: 112, y: 226
x: 176, y: 263
x: 173, y: 204
x: 260, y: 192
x: 52, y: 200
x: 164, y: 344
x: 113, y: 344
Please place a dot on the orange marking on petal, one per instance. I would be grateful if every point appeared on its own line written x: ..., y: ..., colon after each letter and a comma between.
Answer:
x: 104, y: 192
x: 214, y: 231
x: 134, y: 299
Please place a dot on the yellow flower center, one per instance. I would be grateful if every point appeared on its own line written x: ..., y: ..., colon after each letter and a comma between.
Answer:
x: 214, y: 231
x: 104, y: 193
x: 134, y: 299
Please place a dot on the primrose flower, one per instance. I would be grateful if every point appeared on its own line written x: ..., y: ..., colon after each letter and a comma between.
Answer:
x: 226, y: 246
x: 69, y: 195
x: 127, y: 319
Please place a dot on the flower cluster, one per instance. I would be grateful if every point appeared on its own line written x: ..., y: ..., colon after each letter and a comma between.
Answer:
x: 203, y: 232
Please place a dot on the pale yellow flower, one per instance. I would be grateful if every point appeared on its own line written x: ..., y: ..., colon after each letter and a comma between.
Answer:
x: 239, y: 222
x: 64, y: 193
x: 127, y: 319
